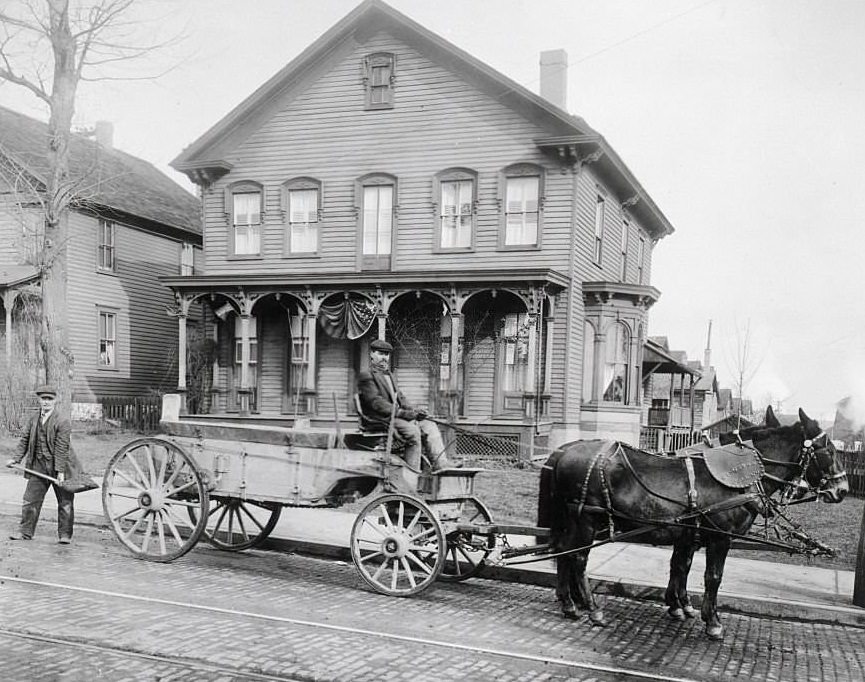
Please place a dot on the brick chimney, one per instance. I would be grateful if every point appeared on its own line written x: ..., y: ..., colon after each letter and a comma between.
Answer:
x: 554, y: 77
x: 105, y: 134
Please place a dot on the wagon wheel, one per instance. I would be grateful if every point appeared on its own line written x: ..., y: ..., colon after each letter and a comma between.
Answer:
x: 397, y: 545
x: 467, y: 552
x: 147, y: 488
x: 234, y: 524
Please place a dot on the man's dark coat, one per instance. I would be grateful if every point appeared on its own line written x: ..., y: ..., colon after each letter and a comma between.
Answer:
x: 376, y: 400
x: 58, y: 432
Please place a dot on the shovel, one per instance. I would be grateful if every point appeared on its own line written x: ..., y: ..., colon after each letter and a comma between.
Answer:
x: 71, y: 485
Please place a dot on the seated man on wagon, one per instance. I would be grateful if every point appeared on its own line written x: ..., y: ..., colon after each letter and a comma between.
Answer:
x: 378, y: 393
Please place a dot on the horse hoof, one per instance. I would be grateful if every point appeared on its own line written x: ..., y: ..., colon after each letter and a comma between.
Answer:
x: 571, y: 615
x: 676, y: 613
x: 689, y: 611
x: 715, y: 632
x: 597, y: 618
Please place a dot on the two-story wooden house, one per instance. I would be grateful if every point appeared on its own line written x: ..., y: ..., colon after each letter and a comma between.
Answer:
x: 385, y: 183
x: 129, y: 224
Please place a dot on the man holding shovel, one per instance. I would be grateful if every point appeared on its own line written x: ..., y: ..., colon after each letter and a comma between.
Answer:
x: 45, y: 449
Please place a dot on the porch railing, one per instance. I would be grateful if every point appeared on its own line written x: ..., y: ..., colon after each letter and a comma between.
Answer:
x: 657, y: 439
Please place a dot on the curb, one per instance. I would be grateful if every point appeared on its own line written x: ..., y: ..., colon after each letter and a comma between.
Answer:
x: 749, y: 605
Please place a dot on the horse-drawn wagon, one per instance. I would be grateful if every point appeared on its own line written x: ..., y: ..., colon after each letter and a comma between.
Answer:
x: 229, y: 482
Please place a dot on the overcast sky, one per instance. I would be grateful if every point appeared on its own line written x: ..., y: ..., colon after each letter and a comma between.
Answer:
x: 744, y: 120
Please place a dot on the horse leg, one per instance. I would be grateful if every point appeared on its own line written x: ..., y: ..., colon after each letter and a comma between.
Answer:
x: 565, y: 575
x: 676, y: 597
x: 716, y: 556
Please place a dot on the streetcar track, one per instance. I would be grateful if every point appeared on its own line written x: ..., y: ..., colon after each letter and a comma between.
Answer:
x: 190, y: 664
x: 529, y: 658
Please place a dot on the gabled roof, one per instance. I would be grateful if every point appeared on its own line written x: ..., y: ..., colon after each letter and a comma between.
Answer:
x: 208, y: 152
x: 732, y: 420
x: 657, y: 358
x: 111, y: 179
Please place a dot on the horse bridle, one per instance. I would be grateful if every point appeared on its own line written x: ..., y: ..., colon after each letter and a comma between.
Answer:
x: 806, y: 455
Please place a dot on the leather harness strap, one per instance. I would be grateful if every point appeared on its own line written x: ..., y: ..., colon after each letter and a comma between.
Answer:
x: 692, y: 483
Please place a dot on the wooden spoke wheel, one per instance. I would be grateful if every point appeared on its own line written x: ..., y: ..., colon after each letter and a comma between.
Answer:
x: 150, y: 489
x: 397, y: 545
x: 234, y: 525
x: 466, y: 552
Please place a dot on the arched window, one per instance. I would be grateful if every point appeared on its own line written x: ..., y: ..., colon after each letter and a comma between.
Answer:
x: 588, y: 362
x: 616, y: 364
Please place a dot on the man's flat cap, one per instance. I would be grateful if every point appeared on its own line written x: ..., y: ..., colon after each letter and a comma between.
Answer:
x: 379, y: 344
x: 46, y: 390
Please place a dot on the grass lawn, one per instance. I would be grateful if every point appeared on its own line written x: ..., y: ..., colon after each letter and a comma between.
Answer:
x: 511, y: 495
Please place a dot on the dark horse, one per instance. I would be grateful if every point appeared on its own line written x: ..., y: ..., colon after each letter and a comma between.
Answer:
x: 593, y: 490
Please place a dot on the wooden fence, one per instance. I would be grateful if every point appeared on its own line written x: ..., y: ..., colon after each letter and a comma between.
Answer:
x: 854, y: 463
x: 133, y: 412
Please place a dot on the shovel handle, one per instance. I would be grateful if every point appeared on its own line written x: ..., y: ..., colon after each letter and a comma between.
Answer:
x: 35, y: 473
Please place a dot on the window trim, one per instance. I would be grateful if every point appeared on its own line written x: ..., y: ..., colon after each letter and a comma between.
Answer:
x: 455, y: 174
x: 115, y: 313
x: 624, y: 247
x: 600, y: 224
x: 102, y: 247
x: 641, y: 259
x: 370, y: 62
x: 243, y: 187
x: 520, y: 170
x: 375, y: 261
x: 297, y: 184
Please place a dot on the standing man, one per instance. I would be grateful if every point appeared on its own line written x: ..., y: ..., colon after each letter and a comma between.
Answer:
x: 45, y: 445
x: 378, y: 393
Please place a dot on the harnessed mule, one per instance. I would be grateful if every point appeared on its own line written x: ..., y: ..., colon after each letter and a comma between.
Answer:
x: 594, y: 490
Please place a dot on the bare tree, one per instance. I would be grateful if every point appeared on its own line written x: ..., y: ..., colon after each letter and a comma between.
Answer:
x: 745, y: 363
x: 49, y: 47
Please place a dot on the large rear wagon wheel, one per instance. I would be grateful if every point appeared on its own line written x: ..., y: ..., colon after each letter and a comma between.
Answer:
x: 397, y: 545
x: 148, y: 490
x: 466, y: 551
x: 234, y: 525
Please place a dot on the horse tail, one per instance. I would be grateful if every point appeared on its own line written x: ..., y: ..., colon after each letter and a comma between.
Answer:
x: 548, y: 512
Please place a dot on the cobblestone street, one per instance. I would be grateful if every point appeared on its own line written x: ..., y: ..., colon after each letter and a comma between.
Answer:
x: 264, y: 615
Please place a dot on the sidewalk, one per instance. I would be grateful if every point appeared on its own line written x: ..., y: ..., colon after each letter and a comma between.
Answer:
x: 754, y: 587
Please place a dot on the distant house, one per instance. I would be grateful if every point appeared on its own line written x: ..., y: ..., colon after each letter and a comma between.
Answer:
x: 386, y: 184
x: 129, y: 224
x: 726, y: 424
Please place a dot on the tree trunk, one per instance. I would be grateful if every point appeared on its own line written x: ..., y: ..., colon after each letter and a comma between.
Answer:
x: 55, y: 334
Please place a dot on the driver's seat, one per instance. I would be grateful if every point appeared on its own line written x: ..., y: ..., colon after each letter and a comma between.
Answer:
x: 371, y: 435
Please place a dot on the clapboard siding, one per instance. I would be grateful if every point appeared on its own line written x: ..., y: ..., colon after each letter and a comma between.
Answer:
x: 336, y: 375
x: 438, y: 121
x: 146, y: 335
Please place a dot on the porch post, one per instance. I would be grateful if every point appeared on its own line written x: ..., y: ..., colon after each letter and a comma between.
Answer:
x: 533, y: 352
x: 600, y: 359
x: 672, y: 401
x: 548, y: 356
x: 214, y: 383
x: 382, y: 326
x: 691, y: 388
x: 181, y: 360
x: 311, y: 331
x: 456, y: 330
x: 244, y: 364
x: 9, y: 297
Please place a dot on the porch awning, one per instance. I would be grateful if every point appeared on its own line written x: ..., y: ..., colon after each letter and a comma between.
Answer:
x: 556, y: 280
x: 13, y: 275
x: 656, y: 359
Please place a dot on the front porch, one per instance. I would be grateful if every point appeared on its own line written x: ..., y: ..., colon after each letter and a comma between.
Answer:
x: 474, y: 349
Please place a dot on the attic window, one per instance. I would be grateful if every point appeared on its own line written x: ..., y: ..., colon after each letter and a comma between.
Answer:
x: 378, y: 79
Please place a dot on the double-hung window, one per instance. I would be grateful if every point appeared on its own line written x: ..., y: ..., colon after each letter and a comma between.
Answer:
x: 521, y: 198
x: 456, y: 196
x: 244, y: 208
x: 107, y: 339
x: 600, y: 214
x: 303, y: 197
x: 623, y: 248
x: 616, y: 364
x: 105, y: 253
x: 187, y: 267
x: 377, y: 211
